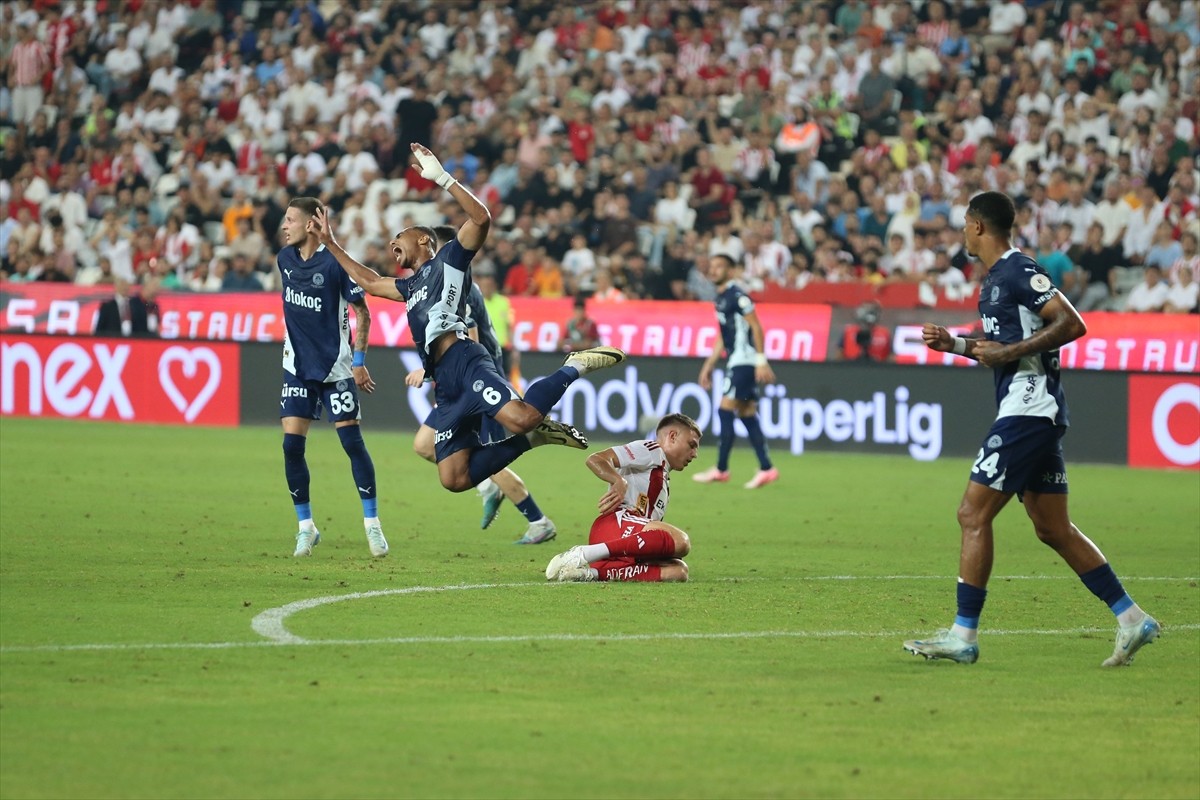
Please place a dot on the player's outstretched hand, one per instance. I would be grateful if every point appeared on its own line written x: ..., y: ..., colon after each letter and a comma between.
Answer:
x: 320, y: 225
x: 706, y: 377
x: 937, y: 338
x: 613, y: 498
x: 362, y: 379
x: 415, y: 378
x: 763, y: 374
x: 431, y: 168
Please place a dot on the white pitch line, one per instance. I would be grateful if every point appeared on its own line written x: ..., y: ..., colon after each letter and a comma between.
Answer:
x: 555, y: 637
x: 270, y: 623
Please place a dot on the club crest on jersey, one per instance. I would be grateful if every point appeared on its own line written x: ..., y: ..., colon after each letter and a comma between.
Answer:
x: 995, y: 293
x: 994, y: 442
x: 477, y: 386
x: 341, y: 386
x: 1040, y: 283
x: 318, y: 280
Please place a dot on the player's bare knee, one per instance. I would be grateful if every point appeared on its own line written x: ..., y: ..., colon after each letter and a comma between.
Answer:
x: 683, y: 544
x: 456, y: 483
x: 970, y: 517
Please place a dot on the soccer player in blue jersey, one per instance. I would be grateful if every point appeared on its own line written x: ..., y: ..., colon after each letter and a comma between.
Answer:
x: 743, y: 341
x: 468, y: 386
x: 505, y: 483
x: 321, y: 368
x: 1025, y: 322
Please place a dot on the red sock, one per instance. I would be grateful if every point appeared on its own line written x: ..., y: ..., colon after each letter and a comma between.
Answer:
x: 626, y: 569
x: 654, y: 543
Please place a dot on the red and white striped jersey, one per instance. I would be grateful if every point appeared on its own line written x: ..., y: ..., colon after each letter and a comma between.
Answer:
x: 644, y: 467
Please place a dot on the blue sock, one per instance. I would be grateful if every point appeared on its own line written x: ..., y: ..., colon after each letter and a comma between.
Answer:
x: 361, y: 467
x: 550, y: 389
x: 488, y: 460
x: 1105, y: 584
x: 296, y: 470
x: 756, y: 438
x: 726, y: 417
x: 530, y: 509
x: 970, y: 605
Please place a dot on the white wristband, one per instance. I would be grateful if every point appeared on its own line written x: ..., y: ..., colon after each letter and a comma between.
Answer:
x: 444, y: 180
x: 760, y: 359
x: 960, y: 346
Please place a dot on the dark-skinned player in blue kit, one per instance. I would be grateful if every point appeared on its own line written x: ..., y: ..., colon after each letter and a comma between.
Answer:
x: 1025, y: 322
x: 468, y: 385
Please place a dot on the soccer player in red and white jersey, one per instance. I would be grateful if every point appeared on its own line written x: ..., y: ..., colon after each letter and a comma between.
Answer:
x: 629, y: 540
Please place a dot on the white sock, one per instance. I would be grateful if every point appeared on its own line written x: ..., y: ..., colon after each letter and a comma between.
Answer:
x: 968, y: 635
x: 1131, y: 616
x: 595, y: 552
x: 369, y: 521
x: 485, y: 485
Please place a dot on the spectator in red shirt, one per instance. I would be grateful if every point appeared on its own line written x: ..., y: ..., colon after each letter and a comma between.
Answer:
x: 518, y: 281
x: 582, y: 136
x: 710, y: 197
x: 581, y: 331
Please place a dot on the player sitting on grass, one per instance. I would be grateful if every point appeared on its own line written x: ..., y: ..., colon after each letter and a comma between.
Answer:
x: 629, y: 541
x: 468, y: 384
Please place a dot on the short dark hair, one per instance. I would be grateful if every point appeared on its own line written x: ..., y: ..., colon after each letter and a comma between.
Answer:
x: 309, y: 205
x: 443, y: 234
x: 995, y: 210
x: 679, y: 419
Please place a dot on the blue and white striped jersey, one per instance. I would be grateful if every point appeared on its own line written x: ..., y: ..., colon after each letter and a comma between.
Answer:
x: 1012, y: 293
x: 317, y: 294
x: 478, y: 317
x: 733, y: 304
x: 435, y: 297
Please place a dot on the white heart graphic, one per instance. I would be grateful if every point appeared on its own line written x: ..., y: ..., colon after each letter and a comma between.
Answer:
x: 188, y: 360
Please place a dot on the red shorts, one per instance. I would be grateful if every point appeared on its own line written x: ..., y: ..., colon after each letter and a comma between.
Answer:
x: 624, y: 568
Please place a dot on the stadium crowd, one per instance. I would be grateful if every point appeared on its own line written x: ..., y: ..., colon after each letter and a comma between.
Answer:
x: 619, y: 143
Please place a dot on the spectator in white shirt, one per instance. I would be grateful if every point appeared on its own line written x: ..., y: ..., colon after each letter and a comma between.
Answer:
x: 1140, y: 94
x: 359, y: 166
x: 1004, y: 20
x: 1139, y: 233
x: 122, y: 63
x: 1112, y: 213
x: 313, y: 162
x: 1077, y: 210
x: 1183, y: 295
x: 1150, y: 294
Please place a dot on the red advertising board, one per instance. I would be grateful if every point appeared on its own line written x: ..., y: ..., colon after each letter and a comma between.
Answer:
x: 1164, y: 421
x: 794, y: 332
x: 132, y: 380
x: 1120, y: 342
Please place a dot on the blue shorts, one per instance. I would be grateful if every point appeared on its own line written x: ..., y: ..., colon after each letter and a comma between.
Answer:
x: 490, y: 431
x: 1022, y: 454
x: 468, y: 390
x: 301, y: 398
x: 740, y: 383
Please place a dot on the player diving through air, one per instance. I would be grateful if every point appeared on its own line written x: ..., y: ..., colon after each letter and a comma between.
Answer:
x: 505, y: 483
x: 468, y: 385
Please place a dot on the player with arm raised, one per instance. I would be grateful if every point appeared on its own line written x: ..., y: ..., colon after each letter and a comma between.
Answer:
x: 504, y: 483
x: 629, y: 540
x: 468, y: 386
x: 1025, y: 321
x: 743, y: 341
x: 322, y: 368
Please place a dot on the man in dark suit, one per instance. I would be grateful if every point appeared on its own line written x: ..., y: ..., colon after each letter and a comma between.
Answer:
x: 123, y: 315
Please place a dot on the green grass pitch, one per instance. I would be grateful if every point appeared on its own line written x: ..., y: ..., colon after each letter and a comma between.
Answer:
x: 776, y: 672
